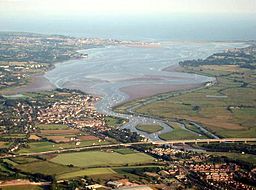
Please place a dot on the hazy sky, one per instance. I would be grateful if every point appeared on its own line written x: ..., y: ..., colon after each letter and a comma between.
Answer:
x: 133, y: 19
x: 80, y: 7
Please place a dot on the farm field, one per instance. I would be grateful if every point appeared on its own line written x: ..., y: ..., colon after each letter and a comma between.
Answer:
x: 149, y: 128
x: 24, y: 160
x: 56, y: 137
x: 100, y: 158
x: 87, y: 172
x: 14, y: 136
x: 125, y: 151
x: 4, y: 171
x: 45, y: 167
x: 127, y: 170
x: 22, y: 187
x: 48, y: 146
x: 60, y: 132
x: 51, y: 127
x: 227, y: 108
x: 34, y: 165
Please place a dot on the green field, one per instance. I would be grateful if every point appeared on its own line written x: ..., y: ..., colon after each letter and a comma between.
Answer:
x: 100, y: 158
x: 4, y: 171
x: 24, y: 160
x: 22, y: 187
x: 125, y: 151
x: 51, y: 127
x: 103, y: 172
x: 128, y: 171
x: 179, y: 133
x: 148, y: 128
x: 45, y: 167
x: 87, y: 172
x: 14, y: 136
x: 114, y: 121
x: 48, y: 146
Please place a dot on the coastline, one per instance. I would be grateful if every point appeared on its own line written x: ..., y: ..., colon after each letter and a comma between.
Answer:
x: 36, y: 83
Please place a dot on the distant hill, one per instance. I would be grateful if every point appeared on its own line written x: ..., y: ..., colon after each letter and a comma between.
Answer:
x: 244, y: 57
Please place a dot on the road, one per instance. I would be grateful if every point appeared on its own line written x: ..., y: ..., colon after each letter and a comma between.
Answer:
x: 245, y: 140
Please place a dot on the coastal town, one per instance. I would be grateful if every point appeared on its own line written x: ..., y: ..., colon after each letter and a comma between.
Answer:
x: 77, y: 111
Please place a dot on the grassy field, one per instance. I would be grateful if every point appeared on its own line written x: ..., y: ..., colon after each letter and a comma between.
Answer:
x: 22, y: 187
x: 14, y: 136
x: 45, y: 167
x: 87, y: 172
x: 179, y: 133
x: 100, y: 158
x: 100, y: 172
x: 114, y: 121
x: 9, y: 161
x: 4, y: 171
x: 227, y: 108
x: 125, y: 151
x: 126, y: 171
x: 51, y: 127
x: 60, y: 132
x: 149, y: 128
x: 24, y: 160
x: 47, y: 146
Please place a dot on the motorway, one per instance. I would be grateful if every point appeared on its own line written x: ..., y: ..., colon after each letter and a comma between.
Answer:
x: 173, y: 142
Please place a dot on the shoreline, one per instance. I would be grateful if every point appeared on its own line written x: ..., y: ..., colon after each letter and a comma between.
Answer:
x: 36, y: 83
